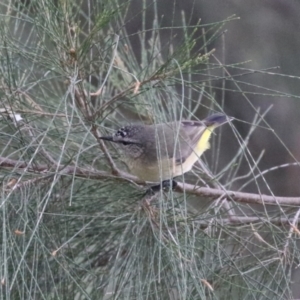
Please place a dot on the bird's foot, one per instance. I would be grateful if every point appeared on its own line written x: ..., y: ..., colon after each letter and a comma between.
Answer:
x: 164, y: 185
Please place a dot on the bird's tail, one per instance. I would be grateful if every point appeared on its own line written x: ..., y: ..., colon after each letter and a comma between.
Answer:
x: 216, y: 120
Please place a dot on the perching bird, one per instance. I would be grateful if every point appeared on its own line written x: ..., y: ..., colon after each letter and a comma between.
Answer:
x: 160, y: 152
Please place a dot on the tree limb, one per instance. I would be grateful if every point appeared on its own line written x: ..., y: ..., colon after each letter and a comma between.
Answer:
x: 181, y: 187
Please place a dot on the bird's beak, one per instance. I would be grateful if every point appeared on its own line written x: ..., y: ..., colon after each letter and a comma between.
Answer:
x: 106, y: 138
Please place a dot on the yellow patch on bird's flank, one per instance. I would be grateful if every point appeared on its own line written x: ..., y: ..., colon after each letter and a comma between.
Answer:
x: 203, y: 143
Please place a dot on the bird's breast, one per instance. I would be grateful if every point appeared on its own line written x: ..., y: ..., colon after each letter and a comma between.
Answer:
x: 156, y: 171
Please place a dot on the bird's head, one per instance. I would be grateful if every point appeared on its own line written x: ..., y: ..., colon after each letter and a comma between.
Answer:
x: 128, y: 139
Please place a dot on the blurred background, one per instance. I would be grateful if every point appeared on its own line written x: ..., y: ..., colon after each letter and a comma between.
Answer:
x: 263, y: 37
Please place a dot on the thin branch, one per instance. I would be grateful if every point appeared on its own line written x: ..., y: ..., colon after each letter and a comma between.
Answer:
x: 293, y: 223
x: 236, y: 196
x: 116, y: 43
x: 34, y: 112
x: 236, y: 220
x: 181, y: 187
x: 113, y: 166
x: 121, y: 94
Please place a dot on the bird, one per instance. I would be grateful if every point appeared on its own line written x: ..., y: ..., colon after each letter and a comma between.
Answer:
x: 160, y: 152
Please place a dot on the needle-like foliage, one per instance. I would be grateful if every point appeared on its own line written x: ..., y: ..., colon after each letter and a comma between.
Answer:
x: 74, y: 226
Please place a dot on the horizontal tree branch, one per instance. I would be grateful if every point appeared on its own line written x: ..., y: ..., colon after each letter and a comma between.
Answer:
x: 239, y: 220
x: 236, y: 196
x: 181, y: 187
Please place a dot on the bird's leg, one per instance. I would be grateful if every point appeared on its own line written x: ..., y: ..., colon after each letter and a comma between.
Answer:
x: 165, y: 184
x: 168, y: 184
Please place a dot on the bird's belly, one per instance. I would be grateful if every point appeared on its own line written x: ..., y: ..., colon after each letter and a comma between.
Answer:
x: 162, y: 171
x: 155, y: 172
x: 159, y: 171
x: 186, y: 165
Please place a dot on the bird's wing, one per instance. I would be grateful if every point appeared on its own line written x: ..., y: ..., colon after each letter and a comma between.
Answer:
x: 190, y: 134
x: 199, y: 132
x: 187, y: 136
x: 184, y: 135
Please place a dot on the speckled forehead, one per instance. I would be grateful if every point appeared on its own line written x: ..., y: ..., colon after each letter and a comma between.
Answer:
x: 122, y: 132
x: 126, y: 131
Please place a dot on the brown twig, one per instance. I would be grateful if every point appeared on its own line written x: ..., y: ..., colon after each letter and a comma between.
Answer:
x: 67, y: 170
x: 240, y: 197
x: 113, y: 166
x: 122, y: 93
x: 180, y: 188
x: 239, y: 220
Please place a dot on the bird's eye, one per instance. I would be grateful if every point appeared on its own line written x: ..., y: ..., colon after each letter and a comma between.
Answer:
x: 125, y: 143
